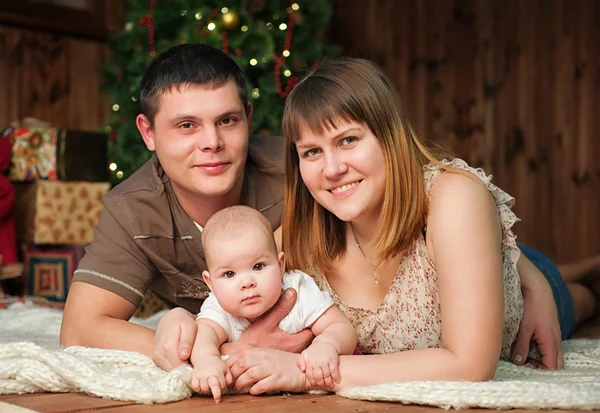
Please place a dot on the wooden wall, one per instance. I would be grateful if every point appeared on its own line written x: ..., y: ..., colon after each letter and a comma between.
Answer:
x: 49, y: 67
x: 511, y: 86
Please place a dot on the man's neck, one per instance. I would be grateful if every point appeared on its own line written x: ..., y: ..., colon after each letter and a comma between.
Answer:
x: 200, y: 208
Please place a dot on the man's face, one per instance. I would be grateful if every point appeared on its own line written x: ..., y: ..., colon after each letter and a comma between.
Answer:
x: 200, y: 136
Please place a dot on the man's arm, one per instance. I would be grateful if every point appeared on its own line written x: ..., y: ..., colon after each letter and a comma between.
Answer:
x: 95, y: 317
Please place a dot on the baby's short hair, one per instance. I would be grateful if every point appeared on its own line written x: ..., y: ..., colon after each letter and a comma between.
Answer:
x: 231, y: 221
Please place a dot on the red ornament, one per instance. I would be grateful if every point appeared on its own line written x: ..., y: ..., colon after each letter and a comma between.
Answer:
x: 279, y: 60
x: 148, y: 20
x: 224, y: 42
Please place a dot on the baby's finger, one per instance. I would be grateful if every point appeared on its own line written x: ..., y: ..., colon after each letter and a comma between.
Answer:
x: 335, y: 372
x: 196, y: 384
x: 204, y: 387
x: 215, y: 388
x: 327, y: 380
x: 310, y: 372
x: 319, y: 377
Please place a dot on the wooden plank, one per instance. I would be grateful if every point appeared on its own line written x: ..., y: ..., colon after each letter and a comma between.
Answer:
x: 60, y: 402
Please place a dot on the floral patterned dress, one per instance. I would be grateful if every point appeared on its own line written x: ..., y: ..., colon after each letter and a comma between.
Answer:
x: 409, y: 316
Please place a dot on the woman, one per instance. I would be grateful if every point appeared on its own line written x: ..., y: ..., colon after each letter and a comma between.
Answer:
x: 419, y: 253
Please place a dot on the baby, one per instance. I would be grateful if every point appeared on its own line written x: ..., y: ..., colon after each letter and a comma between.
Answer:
x: 246, y: 277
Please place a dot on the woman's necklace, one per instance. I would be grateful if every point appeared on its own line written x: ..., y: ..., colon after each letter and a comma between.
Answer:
x: 375, y: 272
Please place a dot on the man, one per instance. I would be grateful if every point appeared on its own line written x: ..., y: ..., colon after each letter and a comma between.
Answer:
x: 196, y: 118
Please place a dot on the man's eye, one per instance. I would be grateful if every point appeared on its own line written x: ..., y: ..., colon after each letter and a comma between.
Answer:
x: 228, y: 274
x: 186, y: 125
x: 258, y: 267
x: 227, y: 121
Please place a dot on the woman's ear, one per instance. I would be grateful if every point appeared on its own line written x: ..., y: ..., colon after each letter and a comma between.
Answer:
x: 206, y: 278
x: 281, y: 258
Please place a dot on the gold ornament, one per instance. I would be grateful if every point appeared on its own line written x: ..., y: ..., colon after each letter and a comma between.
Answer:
x: 230, y: 20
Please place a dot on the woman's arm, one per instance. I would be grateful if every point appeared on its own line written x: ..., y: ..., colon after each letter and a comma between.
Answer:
x: 464, y: 240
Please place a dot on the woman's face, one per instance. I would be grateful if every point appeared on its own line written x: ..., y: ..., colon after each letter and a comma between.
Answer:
x: 344, y: 170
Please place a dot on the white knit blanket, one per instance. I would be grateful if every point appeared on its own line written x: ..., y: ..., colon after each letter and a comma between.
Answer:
x: 31, y: 361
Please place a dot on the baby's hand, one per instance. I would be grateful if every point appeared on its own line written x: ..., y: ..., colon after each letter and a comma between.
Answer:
x: 320, y: 364
x: 211, y: 375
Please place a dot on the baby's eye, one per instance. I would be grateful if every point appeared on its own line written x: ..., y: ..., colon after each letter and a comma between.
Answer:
x: 228, y: 274
x: 258, y: 267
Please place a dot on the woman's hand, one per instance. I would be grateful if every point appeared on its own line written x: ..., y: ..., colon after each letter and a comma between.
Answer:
x: 174, y: 338
x: 266, y: 370
x: 540, y: 319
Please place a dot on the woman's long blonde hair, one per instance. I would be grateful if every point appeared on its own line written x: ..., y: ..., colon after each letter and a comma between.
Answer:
x: 352, y: 90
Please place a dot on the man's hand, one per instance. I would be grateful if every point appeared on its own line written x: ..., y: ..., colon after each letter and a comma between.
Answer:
x: 320, y: 363
x: 265, y: 332
x: 211, y: 375
x: 540, y: 320
x: 174, y: 339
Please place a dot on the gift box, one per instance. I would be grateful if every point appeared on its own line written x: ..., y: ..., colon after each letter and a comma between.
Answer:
x: 58, y: 154
x: 56, y: 212
x: 49, y: 270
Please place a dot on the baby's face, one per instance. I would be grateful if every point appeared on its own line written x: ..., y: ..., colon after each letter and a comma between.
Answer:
x: 245, y: 273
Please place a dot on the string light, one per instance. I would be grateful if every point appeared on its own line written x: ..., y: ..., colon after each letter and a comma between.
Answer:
x: 224, y: 10
x: 115, y: 107
x: 133, y: 99
x: 128, y: 26
x: 282, y: 26
x: 286, y: 53
x: 211, y: 26
x: 255, y: 93
x: 112, y: 166
x: 253, y: 62
x: 295, y: 7
x: 287, y: 73
x: 183, y: 13
x: 244, y: 28
x: 269, y: 26
x: 198, y: 16
x: 107, y: 128
x: 120, y: 174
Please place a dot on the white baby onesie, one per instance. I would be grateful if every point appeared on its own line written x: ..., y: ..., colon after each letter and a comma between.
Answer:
x: 310, y: 305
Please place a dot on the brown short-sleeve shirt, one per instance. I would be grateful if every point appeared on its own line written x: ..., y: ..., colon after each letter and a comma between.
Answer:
x: 144, y: 239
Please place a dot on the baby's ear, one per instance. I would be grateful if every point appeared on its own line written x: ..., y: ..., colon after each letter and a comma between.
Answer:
x: 281, y: 258
x: 206, y: 278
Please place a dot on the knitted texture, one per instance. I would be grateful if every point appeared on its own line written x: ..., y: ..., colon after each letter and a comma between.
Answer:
x: 575, y: 387
x: 26, y: 367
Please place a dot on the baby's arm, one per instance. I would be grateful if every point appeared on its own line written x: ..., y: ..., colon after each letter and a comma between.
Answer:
x: 334, y: 335
x: 210, y: 372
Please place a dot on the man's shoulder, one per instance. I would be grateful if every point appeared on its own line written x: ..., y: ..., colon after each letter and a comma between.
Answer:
x: 143, y: 182
x: 267, y: 153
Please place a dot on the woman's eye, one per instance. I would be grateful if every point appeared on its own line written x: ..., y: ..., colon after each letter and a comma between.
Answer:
x: 228, y: 274
x: 258, y: 267
x: 348, y: 140
x: 311, y: 152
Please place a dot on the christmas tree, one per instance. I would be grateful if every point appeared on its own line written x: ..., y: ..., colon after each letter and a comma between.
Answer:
x: 274, y: 41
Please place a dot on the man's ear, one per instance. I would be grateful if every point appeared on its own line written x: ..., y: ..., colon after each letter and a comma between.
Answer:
x: 206, y: 278
x: 145, y: 127
x: 281, y: 258
x: 249, y: 113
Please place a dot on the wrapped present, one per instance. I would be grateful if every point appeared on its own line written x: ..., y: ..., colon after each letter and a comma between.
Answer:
x: 49, y: 270
x: 56, y: 212
x: 58, y: 154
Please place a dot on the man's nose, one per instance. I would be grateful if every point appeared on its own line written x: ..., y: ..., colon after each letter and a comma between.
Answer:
x: 210, y: 141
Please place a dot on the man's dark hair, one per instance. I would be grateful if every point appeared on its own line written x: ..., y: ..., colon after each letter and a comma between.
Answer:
x: 188, y: 64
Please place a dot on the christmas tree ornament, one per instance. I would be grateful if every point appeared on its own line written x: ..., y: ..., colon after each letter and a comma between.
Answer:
x: 230, y: 20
